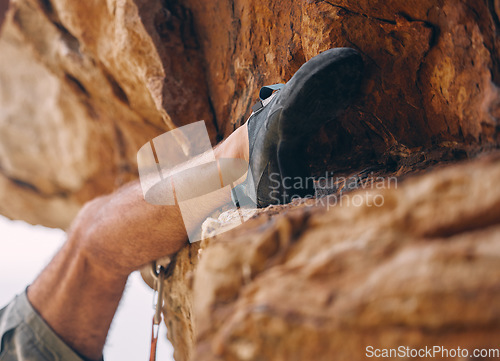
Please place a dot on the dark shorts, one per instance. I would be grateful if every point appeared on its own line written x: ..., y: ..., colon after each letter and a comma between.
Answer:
x: 24, y: 335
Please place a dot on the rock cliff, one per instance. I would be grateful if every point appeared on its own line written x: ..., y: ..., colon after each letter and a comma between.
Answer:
x: 84, y: 84
x: 412, y: 264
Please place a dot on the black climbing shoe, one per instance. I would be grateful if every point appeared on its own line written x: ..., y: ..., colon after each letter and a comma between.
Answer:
x: 282, y: 123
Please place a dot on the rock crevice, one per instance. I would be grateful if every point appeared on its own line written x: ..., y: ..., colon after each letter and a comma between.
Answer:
x: 324, y: 282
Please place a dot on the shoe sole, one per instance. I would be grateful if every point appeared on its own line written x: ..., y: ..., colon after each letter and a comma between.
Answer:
x: 317, y: 93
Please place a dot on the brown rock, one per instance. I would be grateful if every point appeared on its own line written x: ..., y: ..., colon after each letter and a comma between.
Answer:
x: 431, y: 73
x: 82, y: 87
x: 420, y: 269
x: 84, y: 84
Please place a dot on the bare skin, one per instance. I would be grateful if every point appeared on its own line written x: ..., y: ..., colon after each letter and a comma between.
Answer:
x: 78, y: 293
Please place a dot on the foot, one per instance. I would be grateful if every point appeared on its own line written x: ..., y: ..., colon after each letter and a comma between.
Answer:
x: 279, y: 131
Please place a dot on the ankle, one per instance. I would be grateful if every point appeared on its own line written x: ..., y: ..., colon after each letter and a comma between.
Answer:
x: 234, y: 146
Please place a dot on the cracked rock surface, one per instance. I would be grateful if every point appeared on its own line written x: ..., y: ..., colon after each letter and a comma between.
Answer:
x: 312, y: 282
x: 84, y: 84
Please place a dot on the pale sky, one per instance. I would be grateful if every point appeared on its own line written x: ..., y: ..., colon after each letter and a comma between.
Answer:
x: 26, y: 249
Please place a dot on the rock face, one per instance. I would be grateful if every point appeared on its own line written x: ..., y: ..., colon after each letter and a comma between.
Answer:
x: 412, y: 264
x: 84, y: 84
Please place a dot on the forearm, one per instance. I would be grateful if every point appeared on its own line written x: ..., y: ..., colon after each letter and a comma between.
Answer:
x: 78, y: 293
x: 78, y: 299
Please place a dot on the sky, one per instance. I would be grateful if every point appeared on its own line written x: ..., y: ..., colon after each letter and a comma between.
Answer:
x: 26, y: 249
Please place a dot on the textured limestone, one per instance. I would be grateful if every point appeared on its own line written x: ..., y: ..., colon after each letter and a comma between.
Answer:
x: 310, y: 283
x: 432, y: 67
x: 84, y: 84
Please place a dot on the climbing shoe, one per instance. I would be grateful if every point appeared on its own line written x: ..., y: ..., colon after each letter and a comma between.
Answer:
x: 284, y: 120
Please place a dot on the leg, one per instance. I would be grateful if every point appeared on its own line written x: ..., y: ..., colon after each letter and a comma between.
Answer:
x: 78, y: 292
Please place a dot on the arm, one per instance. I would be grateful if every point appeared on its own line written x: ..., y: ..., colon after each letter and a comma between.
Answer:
x: 79, y: 291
